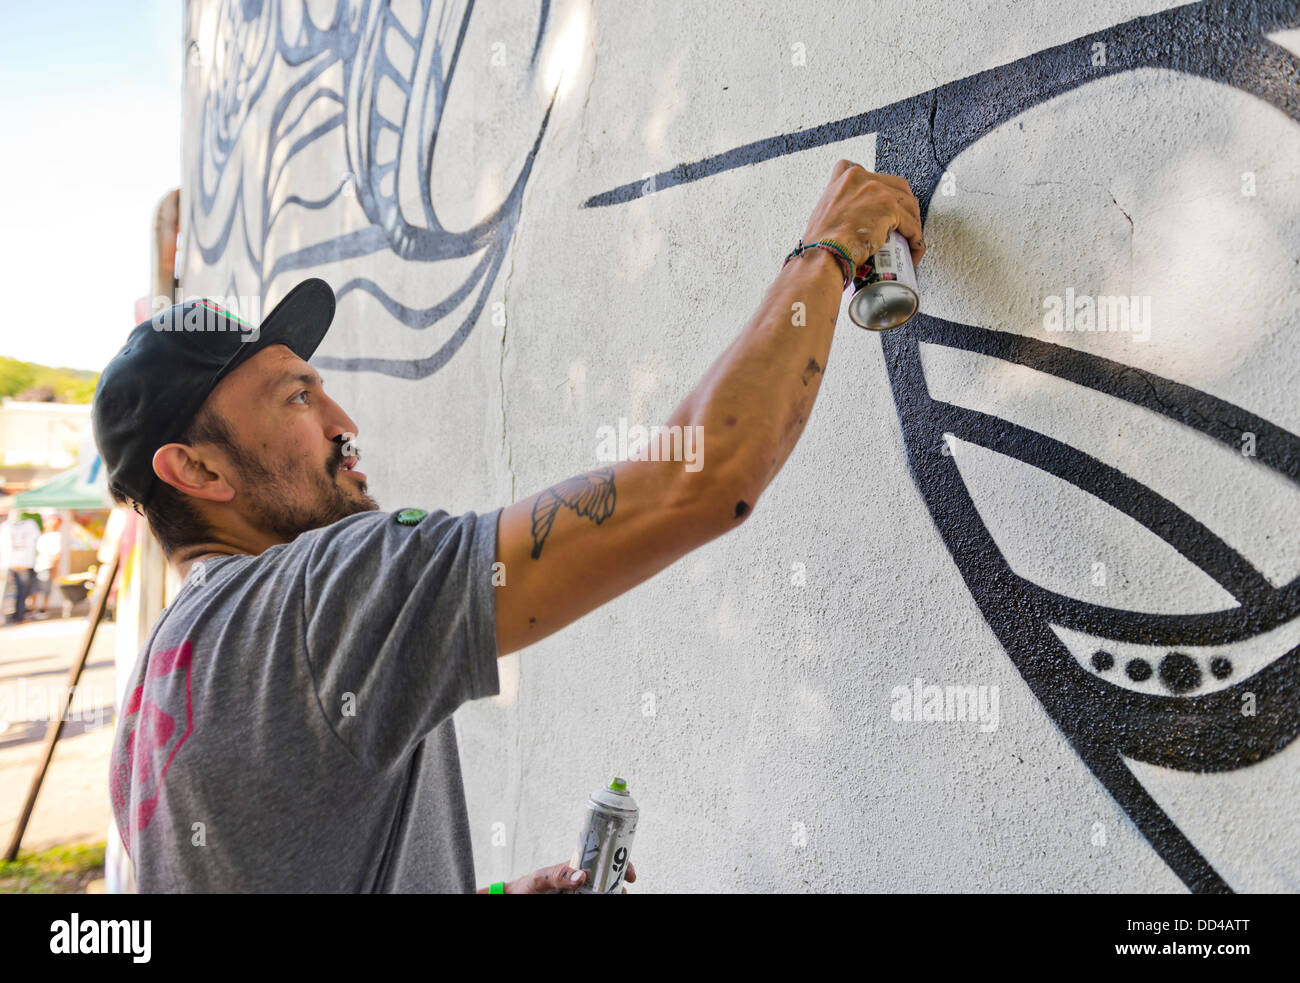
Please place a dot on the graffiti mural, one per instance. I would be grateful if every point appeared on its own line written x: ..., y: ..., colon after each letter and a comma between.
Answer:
x: 369, y: 85
x: 385, y: 77
x: 1177, y: 699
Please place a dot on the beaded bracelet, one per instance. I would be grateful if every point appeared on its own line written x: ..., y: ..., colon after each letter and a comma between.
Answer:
x: 833, y: 247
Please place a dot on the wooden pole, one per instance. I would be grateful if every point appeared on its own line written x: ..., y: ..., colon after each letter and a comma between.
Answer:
x: 103, y: 583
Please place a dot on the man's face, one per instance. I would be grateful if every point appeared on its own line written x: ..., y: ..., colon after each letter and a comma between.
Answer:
x: 288, y: 470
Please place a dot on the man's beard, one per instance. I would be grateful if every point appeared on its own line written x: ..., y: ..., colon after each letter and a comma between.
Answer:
x: 271, y: 498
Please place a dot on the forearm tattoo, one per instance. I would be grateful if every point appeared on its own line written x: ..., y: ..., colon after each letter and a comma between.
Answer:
x: 591, y: 495
x: 811, y: 370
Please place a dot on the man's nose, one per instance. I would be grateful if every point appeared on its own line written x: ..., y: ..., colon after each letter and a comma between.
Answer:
x: 341, y: 421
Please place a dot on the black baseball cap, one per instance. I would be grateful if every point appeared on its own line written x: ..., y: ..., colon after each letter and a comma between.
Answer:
x: 153, y: 388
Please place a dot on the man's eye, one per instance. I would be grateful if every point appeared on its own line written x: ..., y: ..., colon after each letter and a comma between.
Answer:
x: 303, y: 396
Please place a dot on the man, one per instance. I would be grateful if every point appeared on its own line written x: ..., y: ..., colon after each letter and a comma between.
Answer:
x: 288, y: 725
x: 19, y: 547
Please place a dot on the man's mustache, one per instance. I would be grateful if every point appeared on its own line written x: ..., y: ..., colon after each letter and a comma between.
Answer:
x: 347, y: 444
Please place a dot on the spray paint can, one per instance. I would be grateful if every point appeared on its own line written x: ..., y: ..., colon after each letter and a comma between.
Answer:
x: 605, y: 841
x: 884, y: 287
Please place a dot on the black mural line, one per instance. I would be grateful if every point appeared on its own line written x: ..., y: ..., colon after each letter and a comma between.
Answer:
x: 356, y: 44
x: 1102, y: 719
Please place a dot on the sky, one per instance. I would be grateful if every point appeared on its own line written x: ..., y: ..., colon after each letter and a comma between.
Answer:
x: 91, y: 115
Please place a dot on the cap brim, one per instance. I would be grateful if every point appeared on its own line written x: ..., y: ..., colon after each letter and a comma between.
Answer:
x: 299, y: 322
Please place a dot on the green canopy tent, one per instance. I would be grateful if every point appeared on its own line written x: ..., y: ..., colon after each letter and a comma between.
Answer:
x: 67, y: 490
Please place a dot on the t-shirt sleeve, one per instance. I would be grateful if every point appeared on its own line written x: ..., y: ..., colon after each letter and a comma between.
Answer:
x: 400, y: 625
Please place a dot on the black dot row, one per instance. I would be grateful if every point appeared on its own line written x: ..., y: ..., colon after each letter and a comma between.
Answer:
x: 1180, y: 673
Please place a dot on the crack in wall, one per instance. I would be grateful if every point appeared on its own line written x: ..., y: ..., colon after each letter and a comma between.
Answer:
x: 591, y: 78
x: 501, y: 360
x: 1178, y: 412
x: 934, y: 150
x: 509, y: 454
x: 1130, y: 238
x: 515, y: 236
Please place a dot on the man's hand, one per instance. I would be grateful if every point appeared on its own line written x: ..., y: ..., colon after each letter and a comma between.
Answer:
x: 557, y: 879
x: 859, y: 209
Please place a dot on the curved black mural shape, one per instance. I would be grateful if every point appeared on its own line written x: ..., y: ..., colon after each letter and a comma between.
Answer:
x: 1101, y: 717
x: 358, y: 40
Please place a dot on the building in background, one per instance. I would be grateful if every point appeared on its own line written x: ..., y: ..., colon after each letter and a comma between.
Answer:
x: 39, y: 439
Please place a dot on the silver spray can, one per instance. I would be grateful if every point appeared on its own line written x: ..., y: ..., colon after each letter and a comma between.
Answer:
x: 884, y: 287
x: 605, y: 842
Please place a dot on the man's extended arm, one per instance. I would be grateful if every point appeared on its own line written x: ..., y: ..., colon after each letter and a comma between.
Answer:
x: 580, y: 543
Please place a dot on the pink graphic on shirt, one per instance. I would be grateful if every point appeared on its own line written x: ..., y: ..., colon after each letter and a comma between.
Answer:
x: 148, y: 738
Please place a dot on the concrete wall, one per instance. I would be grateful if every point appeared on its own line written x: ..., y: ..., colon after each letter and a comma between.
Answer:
x: 540, y: 222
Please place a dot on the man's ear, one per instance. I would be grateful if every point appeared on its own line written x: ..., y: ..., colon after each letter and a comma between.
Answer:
x: 184, y: 470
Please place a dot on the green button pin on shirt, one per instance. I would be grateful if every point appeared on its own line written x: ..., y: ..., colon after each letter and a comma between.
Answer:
x: 409, y: 517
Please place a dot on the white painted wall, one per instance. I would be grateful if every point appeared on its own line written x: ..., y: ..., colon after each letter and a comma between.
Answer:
x: 746, y: 693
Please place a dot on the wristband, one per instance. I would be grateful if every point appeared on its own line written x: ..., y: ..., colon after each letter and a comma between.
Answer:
x: 498, y: 888
x: 839, y: 247
x: 833, y: 247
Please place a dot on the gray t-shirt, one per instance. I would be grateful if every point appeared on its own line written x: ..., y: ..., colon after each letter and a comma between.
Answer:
x: 288, y: 728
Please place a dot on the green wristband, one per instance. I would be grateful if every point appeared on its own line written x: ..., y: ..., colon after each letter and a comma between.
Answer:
x: 498, y: 888
x: 839, y: 247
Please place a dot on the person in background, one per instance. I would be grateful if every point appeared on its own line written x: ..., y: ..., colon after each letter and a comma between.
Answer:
x: 4, y: 561
x: 19, y: 545
x: 49, y: 546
